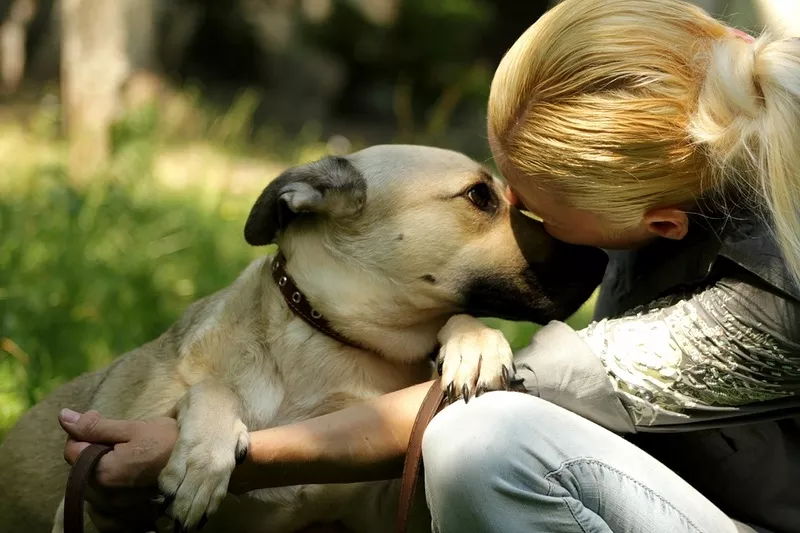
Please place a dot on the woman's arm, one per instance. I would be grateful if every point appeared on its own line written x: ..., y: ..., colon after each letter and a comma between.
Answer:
x: 363, y: 442
x: 730, y: 350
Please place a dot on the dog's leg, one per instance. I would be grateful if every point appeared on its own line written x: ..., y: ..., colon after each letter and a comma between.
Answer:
x: 373, y: 507
x: 473, y: 358
x: 211, y: 439
x: 290, y: 509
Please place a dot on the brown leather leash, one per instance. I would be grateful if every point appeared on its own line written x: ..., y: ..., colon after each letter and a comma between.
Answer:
x: 77, y: 481
x: 434, y: 401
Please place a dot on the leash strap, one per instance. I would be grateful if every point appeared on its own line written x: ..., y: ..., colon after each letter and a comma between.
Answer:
x: 78, y: 478
x: 433, y: 403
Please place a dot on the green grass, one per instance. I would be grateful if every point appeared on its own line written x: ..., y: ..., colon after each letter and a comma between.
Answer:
x: 87, y: 273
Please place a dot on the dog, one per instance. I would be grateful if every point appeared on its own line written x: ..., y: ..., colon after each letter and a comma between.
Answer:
x: 383, y: 256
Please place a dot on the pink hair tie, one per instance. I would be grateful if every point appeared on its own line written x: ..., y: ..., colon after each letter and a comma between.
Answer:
x: 742, y: 35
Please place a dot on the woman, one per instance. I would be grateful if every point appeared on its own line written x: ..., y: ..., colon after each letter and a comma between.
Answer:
x: 648, y: 128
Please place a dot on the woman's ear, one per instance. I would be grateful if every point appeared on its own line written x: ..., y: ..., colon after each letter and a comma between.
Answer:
x: 667, y: 222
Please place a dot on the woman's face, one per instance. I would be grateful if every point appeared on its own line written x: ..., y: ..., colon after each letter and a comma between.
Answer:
x: 567, y: 223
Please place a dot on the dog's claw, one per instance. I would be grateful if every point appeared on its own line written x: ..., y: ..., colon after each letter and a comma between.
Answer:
x: 241, y: 455
x: 480, y: 390
x: 465, y: 393
x: 203, y: 521
x: 440, y: 365
x: 504, y: 378
x: 514, y: 369
x: 451, y: 393
x: 166, y: 501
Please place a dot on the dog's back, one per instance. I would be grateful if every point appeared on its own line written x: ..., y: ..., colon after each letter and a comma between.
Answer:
x: 36, y: 445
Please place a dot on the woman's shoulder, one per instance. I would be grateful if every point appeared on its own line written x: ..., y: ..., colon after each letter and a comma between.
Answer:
x: 746, y: 245
x: 750, y: 243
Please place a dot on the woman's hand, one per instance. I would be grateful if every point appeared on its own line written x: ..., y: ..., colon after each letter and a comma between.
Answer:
x: 123, y: 495
x: 141, y: 447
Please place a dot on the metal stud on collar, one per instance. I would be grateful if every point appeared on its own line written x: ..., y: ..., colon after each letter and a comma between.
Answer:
x: 300, y: 305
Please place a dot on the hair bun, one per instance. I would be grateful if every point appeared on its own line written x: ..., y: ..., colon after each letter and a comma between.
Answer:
x: 748, y: 121
x: 730, y: 99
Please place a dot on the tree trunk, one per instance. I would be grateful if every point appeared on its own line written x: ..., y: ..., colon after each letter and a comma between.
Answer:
x: 94, y: 66
x: 12, y: 44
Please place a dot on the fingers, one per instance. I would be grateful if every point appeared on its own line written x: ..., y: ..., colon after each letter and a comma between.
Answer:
x: 73, y: 449
x: 91, y: 427
x: 108, y: 472
x: 88, y: 428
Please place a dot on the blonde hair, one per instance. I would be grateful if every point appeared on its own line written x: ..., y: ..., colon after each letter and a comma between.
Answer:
x: 621, y: 106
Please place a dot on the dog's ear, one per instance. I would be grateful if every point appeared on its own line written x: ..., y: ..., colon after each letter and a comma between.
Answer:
x: 330, y: 187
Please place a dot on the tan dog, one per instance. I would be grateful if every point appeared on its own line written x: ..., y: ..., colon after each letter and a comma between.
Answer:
x: 393, y: 245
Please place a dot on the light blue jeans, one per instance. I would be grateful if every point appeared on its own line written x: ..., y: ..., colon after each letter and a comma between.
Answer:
x: 508, y: 462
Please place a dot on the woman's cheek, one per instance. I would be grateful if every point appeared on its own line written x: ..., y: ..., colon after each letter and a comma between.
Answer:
x: 557, y: 233
x: 572, y: 236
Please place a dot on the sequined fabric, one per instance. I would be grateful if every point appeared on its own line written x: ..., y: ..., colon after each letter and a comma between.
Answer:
x: 707, y: 351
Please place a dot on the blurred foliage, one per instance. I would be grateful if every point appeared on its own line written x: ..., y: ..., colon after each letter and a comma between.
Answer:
x: 439, y: 45
x: 87, y: 273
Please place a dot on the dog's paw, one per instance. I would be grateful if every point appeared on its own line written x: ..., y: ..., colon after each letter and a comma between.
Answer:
x: 473, y: 359
x: 195, y: 480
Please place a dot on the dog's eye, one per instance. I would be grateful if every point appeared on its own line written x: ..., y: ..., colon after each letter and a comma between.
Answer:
x: 481, y: 196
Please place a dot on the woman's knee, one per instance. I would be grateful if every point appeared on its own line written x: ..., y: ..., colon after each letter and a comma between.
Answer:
x: 474, y: 441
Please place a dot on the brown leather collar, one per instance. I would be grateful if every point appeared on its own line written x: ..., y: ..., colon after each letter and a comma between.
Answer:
x: 300, y: 305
